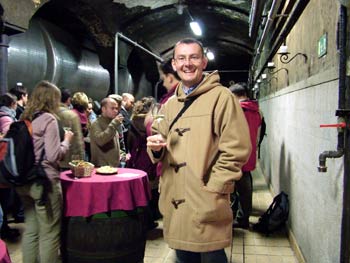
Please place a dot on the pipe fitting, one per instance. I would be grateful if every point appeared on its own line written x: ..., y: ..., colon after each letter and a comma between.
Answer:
x: 322, y: 168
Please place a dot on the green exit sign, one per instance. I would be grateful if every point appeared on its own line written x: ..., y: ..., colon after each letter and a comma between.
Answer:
x: 322, y: 45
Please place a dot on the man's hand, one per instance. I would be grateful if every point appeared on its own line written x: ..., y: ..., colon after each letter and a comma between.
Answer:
x: 119, y: 118
x: 156, y: 142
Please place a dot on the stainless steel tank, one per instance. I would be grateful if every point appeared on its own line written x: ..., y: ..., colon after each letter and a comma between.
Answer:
x: 46, y: 52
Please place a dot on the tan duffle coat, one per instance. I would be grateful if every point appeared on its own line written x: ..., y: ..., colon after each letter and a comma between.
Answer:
x: 206, y: 149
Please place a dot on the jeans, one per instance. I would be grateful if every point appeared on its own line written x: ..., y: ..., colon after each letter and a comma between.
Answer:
x: 41, y: 238
x: 242, y: 198
x: 217, y: 256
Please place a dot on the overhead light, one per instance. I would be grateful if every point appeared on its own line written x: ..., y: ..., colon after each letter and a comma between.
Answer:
x: 194, y: 25
x: 210, y: 55
x: 196, y: 28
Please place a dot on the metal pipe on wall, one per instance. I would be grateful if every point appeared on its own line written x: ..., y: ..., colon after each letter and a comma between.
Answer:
x: 292, y: 19
x: 3, y: 63
x: 255, y: 16
x: 344, y: 112
x: 341, y: 112
x: 116, y: 64
x: 271, y: 17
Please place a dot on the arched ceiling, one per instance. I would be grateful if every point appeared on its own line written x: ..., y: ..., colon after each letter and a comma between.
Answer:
x: 158, y: 25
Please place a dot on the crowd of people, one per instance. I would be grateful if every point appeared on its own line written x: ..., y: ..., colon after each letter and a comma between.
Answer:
x: 193, y: 143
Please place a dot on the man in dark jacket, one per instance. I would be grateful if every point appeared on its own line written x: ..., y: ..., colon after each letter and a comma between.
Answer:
x: 128, y: 101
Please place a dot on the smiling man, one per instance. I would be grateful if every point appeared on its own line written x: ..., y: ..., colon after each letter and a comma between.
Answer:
x: 202, y: 141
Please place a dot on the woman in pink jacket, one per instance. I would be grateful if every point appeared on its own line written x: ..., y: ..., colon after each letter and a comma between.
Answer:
x: 41, y: 238
x: 8, y: 107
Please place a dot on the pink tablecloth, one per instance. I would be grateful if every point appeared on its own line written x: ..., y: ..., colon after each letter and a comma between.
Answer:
x: 101, y: 193
x: 4, y: 255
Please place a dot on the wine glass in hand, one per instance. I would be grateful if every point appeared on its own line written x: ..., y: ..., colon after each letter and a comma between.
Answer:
x: 156, y: 141
x: 156, y: 115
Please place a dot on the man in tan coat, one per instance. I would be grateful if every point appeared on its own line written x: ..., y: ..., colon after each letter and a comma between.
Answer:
x: 202, y: 154
x: 104, y: 137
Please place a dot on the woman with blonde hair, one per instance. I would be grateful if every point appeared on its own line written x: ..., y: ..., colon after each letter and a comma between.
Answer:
x: 80, y: 103
x: 41, y: 238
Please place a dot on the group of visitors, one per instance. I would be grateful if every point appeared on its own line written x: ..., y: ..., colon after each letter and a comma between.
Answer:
x: 193, y: 144
x: 12, y: 106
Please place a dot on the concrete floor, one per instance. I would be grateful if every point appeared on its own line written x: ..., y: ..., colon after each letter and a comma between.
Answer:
x: 248, y: 246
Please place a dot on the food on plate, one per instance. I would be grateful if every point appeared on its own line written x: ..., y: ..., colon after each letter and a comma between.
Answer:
x: 107, y: 170
x: 80, y: 163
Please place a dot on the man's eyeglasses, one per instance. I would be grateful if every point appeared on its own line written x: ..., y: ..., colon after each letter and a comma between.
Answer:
x: 193, y: 59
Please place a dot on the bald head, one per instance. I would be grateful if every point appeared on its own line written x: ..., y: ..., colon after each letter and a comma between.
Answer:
x: 109, y: 108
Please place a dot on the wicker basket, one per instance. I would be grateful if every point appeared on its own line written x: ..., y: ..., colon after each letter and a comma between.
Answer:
x: 83, y: 169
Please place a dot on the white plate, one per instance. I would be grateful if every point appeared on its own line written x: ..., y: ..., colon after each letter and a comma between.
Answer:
x: 107, y: 170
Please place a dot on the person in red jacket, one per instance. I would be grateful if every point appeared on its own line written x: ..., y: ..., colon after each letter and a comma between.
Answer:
x: 242, y: 198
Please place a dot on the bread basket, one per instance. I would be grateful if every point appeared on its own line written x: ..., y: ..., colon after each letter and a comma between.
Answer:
x: 81, y: 168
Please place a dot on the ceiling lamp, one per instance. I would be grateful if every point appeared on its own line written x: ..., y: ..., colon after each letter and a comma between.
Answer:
x: 196, y: 29
x: 210, y: 55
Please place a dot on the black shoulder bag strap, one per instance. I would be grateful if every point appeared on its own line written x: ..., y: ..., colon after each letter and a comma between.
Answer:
x: 187, y: 104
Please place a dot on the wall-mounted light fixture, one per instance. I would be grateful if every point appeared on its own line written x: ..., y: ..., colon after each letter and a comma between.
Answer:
x: 271, y: 71
x: 266, y: 80
x: 256, y: 87
x: 284, y: 55
x: 271, y: 67
x: 269, y: 81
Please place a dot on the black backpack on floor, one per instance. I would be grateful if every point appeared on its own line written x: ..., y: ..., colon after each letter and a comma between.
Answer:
x: 276, y: 215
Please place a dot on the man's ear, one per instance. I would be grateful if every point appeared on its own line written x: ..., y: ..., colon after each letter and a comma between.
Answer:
x: 173, y: 64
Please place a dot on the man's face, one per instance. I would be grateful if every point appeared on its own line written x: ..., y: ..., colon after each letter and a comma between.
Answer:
x: 189, y: 62
x: 89, y: 108
x: 111, y: 109
x: 129, y: 103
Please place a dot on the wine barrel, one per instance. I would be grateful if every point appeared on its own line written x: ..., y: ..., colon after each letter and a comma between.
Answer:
x: 117, y: 236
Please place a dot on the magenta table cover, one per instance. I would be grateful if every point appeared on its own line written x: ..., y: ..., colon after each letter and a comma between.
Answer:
x: 4, y: 255
x: 101, y: 193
